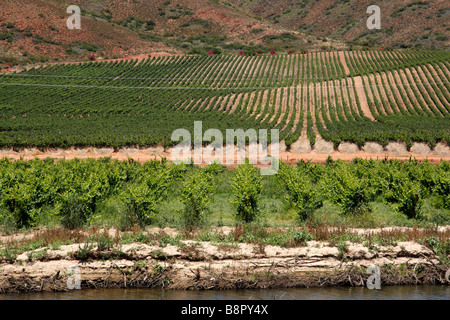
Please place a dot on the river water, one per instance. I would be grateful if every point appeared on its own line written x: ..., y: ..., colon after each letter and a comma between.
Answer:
x: 332, y: 293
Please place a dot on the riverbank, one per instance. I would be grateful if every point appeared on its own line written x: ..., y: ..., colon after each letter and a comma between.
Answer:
x: 166, y: 258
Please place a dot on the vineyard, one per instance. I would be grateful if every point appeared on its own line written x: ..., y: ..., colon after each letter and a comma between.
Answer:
x: 76, y: 193
x: 349, y: 96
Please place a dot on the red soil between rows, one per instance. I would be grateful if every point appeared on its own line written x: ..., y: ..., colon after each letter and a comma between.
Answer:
x: 287, y: 157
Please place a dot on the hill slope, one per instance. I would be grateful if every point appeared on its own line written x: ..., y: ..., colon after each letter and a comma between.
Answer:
x: 404, y: 23
x: 35, y: 30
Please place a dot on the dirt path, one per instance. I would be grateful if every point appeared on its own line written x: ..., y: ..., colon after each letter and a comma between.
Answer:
x: 285, y: 107
x: 251, y: 102
x: 412, y: 74
x: 405, y: 88
x: 344, y: 62
x: 322, y: 150
x: 305, y: 113
x: 290, y: 106
x: 353, y: 96
x: 370, y: 97
x: 263, y: 104
x: 297, y: 106
x: 410, y: 85
x: 337, y: 87
x: 429, y: 85
x: 252, y: 107
x: 326, y: 102
x: 394, y: 85
x: 274, y: 105
x: 379, y: 92
x: 438, y: 75
x: 233, y: 107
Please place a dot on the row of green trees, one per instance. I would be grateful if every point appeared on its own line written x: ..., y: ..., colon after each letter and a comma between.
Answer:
x: 32, y: 191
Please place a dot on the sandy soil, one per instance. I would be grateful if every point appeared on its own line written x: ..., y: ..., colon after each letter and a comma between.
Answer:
x: 410, y: 73
x: 344, y: 62
x: 374, y: 91
x: 395, y: 85
x: 404, y: 88
x: 385, y: 92
x: 267, y: 104
x: 251, y: 107
x: 277, y: 106
x: 340, y: 100
x: 299, y: 150
x: 421, y: 71
x: 263, y: 102
x: 297, y: 106
x: 438, y: 75
x: 283, y: 104
x: 318, y: 86
x: 409, y: 87
x: 369, y: 97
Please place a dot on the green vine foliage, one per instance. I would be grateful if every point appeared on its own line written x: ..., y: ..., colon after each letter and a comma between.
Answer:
x: 246, y: 189
x: 196, y: 195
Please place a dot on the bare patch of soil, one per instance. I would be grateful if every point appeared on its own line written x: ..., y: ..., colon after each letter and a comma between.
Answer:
x: 299, y: 150
x: 344, y: 62
x: 348, y: 148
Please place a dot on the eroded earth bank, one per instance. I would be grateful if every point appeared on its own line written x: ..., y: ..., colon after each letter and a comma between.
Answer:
x: 219, y: 259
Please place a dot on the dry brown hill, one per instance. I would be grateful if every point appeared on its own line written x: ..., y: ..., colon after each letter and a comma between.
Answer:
x: 35, y: 30
x: 404, y: 23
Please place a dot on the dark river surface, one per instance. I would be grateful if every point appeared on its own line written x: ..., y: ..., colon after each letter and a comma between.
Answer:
x: 441, y: 292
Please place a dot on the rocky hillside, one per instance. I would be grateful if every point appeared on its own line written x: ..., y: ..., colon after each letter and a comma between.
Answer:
x: 404, y: 23
x: 36, y: 31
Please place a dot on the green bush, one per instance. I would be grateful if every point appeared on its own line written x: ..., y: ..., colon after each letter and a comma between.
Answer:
x: 73, y: 212
x: 302, y: 236
x: 302, y: 195
x: 142, y: 197
x: 246, y: 189
x: 196, y: 195
x: 410, y: 200
x: 349, y: 192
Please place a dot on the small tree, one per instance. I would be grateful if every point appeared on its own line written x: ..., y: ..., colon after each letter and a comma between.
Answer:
x: 349, y: 192
x: 410, y: 200
x: 74, y: 211
x: 142, y: 198
x: 196, y: 195
x: 246, y: 188
x: 301, y: 193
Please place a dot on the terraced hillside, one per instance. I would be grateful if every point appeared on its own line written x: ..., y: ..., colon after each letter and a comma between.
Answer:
x: 353, y: 96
